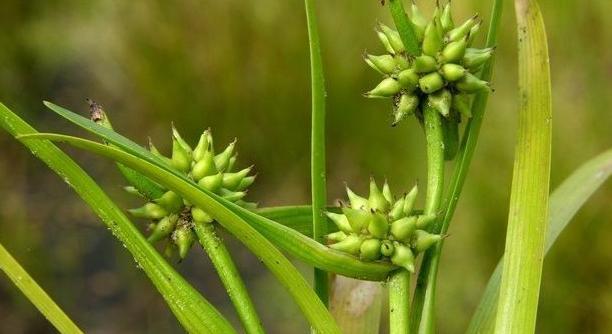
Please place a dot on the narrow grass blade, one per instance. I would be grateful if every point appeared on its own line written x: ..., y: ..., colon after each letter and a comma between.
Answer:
x: 291, y: 241
x: 404, y: 27
x: 191, y: 309
x: 36, y: 294
x: 528, y: 217
x: 312, y: 307
x: 317, y: 146
x: 565, y: 202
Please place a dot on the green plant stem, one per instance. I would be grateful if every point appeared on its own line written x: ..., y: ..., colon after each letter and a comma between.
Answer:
x: 36, y: 294
x: 434, y: 137
x: 317, y: 150
x: 399, y: 283
x: 528, y: 213
x: 230, y: 277
x: 429, y: 266
x: 404, y: 27
x: 399, y: 302
x: 423, y: 318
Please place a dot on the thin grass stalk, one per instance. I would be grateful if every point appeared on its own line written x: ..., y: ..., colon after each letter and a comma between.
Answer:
x: 230, y: 277
x: 434, y: 135
x: 399, y: 302
x: 317, y: 149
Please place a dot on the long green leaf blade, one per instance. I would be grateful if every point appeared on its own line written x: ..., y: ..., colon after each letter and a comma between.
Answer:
x: 524, y: 253
x: 317, y: 254
x: 36, y: 294
x: 193, y: 311
x: 565, y: 202
x: 317, y: 146
x: 268, y: 254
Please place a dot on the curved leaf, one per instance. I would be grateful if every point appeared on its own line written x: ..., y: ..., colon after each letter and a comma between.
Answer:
x: 268, y: 254
x: 191, y: 309
x: 321, y: 257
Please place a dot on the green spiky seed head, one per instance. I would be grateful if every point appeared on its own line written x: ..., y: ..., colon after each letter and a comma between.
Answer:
x: 446, y: 63
x: 380, y: 227
x: 173, y: 217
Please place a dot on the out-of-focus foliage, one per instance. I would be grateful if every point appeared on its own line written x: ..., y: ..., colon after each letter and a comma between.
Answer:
x: 241, y: 67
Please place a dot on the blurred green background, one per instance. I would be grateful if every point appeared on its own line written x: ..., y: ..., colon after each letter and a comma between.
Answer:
x: 241, y: 67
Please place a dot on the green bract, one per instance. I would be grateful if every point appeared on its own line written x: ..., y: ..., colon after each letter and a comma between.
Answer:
x: 445, y: 69
x: 382, y: 228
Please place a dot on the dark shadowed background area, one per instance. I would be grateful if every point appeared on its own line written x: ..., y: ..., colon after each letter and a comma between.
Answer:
x: 241, y: 67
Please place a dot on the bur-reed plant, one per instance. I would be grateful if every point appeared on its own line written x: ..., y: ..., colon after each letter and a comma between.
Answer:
x: 431, y: 70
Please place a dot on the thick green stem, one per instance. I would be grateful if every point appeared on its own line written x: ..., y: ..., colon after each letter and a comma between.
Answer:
x: 36, y: 294
x: 230, y: 277
x: 317, y: 170
x: 426, y: 283
x: 399, y: 302
x: 423, y: 318
x: 435, y: 160
x: 399, y: 282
